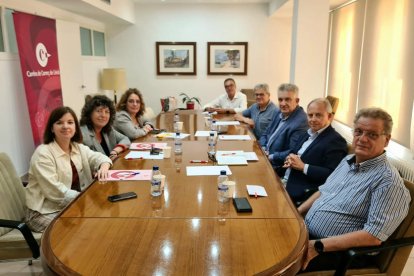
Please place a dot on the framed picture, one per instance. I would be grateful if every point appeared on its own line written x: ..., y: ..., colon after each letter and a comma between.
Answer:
x: 176, y: 58
x: 227, y: 58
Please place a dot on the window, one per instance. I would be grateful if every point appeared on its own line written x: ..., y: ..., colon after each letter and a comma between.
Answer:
x: 98, y: 43
x: 1, y: 35
x: 92, y: 42
x: 370, y: 62
x: 86, y: 42
x: 11, y: 34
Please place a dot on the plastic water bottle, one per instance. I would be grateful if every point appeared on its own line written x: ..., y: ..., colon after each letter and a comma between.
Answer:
x: 223, y: 189
x: 178, y: 144
x: 211, y: 143
x: 156, y: 181
x: 213, y: 125
x: 176, y: 119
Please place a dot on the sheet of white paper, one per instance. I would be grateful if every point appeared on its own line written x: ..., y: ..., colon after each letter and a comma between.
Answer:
x: 235, y: 137
x: 206, y: 113
x: 256, y: 190
x: 143, y: 155
x: 206, y: 170
x: 249, y: 155
x: 227, y: 123
x: 231, y: 160
x: 204, y: 133
x: 172, y: 135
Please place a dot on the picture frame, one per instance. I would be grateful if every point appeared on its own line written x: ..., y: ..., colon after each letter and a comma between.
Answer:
x: 176, y: 58
x: 227, y: 58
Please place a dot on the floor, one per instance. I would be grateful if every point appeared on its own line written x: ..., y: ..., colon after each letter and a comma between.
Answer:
x: 21, y: 268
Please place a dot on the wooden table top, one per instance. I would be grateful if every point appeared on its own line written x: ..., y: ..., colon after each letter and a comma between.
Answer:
x: 185, y: 231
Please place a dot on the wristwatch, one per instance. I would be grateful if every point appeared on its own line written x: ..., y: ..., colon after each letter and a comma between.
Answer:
x: 318, y: 245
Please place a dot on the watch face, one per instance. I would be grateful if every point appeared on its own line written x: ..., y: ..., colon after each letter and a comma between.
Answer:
x: 318, y: 246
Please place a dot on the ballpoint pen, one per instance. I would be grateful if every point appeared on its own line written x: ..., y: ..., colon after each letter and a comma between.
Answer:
x: 227, y: 154
x: 199, y: 161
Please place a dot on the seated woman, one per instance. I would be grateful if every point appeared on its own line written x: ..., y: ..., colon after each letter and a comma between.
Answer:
x: 60, y: 169
x: 128, y: 119
x: 96, y: 121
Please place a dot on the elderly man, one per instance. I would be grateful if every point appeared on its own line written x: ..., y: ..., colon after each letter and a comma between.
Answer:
x: 362, y: 202
x: 231, y: 102
x: 259, y: 115
x: 317, y: 153
x: 286, y: 127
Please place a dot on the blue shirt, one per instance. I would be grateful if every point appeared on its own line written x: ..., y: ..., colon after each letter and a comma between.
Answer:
x: 369, y: 196
x: 261, y: 119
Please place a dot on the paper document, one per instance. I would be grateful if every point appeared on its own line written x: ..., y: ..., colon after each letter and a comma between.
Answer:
x: 227, y: 123
x: 248, y: 155
x: 204, y: 133
x: 143, y: 155
x: 171, y: 135
x: 147, y: 146
x: 231, y: 160
x: 235, y: 137
x: 207, y: 170
x: 256, y: 190
x: 123, y: 175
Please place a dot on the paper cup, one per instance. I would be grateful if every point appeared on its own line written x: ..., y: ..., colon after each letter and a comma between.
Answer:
x: 232, y: 188
x: 167, y: 151
x: 179, y: 126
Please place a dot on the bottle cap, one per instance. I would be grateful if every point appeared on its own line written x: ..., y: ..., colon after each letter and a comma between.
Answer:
x: 223, y: 172
x: 155, y: 168
x: 211, y: 133
x: 177, y: 134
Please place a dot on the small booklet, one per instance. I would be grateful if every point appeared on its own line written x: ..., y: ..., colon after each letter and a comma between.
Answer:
x: 256, y: 190
x: 231, y: 160
x: 147, y: 146
x: 124, y: 175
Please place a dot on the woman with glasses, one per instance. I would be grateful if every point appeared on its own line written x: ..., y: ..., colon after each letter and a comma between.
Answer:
x: 129, y: 117
x: 96, y: 121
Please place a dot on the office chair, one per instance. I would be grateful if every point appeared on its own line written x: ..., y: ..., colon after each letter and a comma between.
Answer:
x: 16, y: 239
x: 393, y: 253
x: 251, y: 98
x: 334, y: 101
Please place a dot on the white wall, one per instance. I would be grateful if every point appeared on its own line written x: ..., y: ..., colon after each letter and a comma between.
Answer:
x: 16, y: 136
x: 134, y: 47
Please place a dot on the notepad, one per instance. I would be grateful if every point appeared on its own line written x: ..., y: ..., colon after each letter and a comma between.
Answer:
x: 172, y: 135
x: 146, y: 146
x: 235, y: 137
x: 143, y: 155
x: 231, y: 160
x: 204, y: 133
x: 227, y: 123
x: 206, y: 170
x: 256, y: 190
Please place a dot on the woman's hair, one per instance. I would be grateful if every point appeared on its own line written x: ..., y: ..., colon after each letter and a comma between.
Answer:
x: 49, y: 136
x: 89, y: 107
x: 124, y: 99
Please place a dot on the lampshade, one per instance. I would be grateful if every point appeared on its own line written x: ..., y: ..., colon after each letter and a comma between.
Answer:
x: 113, y: 79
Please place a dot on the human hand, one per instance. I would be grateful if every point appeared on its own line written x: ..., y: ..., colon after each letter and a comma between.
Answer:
x: 103, y: 173
x: 293, y: 161
x: 239, y: 117
x: 311, y: 254
x: 147, y: 128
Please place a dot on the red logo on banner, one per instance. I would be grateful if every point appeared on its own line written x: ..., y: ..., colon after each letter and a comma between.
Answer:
x: 36, y: 40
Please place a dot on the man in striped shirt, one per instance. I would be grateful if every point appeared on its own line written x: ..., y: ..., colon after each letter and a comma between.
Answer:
x: 362, y: 202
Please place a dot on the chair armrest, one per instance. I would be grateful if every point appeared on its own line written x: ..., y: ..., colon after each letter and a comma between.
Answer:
x: 357, y: 251
x: 27, y: 234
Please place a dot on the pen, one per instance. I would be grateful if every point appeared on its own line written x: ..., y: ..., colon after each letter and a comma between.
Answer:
x: 255, y: 195
x: 227, y: 154
x: 199, y: 161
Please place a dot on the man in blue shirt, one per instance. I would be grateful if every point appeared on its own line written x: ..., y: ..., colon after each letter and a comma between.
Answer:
x: 259, y: 115
x: 287, y: 125
x: 362, y: 202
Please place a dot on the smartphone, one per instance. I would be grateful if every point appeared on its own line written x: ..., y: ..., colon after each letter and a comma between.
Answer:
x: 114, y: 198
x: 242, y: 205
x: 157, y: 131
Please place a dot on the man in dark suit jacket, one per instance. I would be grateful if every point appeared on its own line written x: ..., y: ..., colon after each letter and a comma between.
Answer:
x: 317, y: 153
x: 287, y: 125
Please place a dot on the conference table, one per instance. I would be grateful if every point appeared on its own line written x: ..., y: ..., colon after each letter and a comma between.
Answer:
x: 186, y: 230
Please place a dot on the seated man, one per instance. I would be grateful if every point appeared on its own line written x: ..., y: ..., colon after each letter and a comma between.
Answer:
x: 287, y: 125
x: 317, y: 153
x: 232, y: 102
x: 362, y: 202
x: 259, y: 115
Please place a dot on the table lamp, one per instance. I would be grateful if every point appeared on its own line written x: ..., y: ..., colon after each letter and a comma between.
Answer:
x: 113, y: 79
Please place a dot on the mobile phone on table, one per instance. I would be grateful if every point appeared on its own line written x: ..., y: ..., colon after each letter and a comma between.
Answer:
x: 129, y: 195
x: 242, y: 205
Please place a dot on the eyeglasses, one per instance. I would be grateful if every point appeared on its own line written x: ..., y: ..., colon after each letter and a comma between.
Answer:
x: 370, y: 135
x: 230, y: 85
x: 259, y: 95
x: 134, y: 101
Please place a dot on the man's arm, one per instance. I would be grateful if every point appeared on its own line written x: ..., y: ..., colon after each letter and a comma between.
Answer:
x: 213, y: 105
x: 305, y: 206
x: 342, y: 242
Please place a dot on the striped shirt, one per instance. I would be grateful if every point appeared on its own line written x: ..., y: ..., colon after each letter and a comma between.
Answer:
x: 369, y: 196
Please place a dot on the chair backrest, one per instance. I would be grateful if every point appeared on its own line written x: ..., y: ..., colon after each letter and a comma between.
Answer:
x: 334, y: 101
x: 393, y: 261
x: 13, y: 198
x: 251, y: 98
